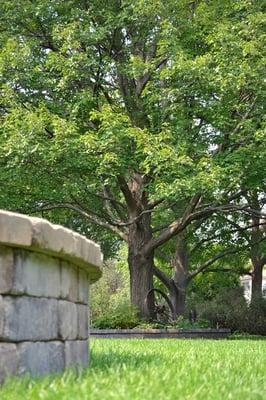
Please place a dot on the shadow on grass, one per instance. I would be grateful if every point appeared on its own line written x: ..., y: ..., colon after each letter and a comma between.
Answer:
x: 113, y: 359
x: 248, y: 337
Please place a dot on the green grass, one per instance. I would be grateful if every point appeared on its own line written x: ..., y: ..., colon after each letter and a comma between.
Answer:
x: 156, y: 369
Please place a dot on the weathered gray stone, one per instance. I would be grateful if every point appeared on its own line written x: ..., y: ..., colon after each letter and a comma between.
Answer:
x: 83, y: 313
x: 45, y: 272
x: 18, y: 282
x: 31, y: 273
x: 6, y: 312
x: 41, y: 357
x: 15, y: 229
x: 6, y: 269
x: 52, y: 237
x: 83, y: 287
x: 37, y: 274
x: 8, y: 360
x: 86, y: 249
x: 76, y: 353
x: 69, y: 282
x: 67, y: 244
x: 68, y: 320
x: 28, y: 318
x: 41, y: 236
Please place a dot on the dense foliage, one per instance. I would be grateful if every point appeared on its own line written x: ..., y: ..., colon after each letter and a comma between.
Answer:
x: 230, y: 310
x: 214, y: 300
x: 137, y: 117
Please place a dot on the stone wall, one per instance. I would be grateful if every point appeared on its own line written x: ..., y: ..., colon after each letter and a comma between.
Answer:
x: 45, y: 273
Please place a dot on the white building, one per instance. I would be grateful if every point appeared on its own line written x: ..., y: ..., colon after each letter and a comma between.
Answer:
x: 245, y: 281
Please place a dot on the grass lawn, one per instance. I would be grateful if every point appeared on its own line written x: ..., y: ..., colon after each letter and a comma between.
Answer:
x: 156, y: 369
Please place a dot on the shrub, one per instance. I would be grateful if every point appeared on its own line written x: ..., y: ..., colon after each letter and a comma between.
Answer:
x: 184, y: 323
x: 110, y: 302
x: 227, y: 310
x: 123, y: 316
x: 257, y: 317
x: 230, y: 310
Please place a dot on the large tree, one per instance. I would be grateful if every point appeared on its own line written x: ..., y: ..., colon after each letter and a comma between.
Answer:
x: 124, y: 111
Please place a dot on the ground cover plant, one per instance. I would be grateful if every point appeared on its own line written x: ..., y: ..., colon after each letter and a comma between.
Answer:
x: 156, y: 369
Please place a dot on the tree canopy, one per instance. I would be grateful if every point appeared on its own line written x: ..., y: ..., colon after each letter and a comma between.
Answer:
x: 139, y: 116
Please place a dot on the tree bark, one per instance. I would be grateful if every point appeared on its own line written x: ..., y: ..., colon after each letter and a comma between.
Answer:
x: 177, y: 284
x: 180, y: 276
x: 140, y: 262
x: 257, y: 257
x: 256, y: 283
x: 178, y: 299
x: 141, y: 281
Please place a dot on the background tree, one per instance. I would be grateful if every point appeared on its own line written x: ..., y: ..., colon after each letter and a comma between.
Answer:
x: 221, y: 244
x: 252, y: 231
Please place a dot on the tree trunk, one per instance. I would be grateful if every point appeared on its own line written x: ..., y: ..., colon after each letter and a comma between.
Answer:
x: 141, y: 281
x: 178, y: 298
x: 256, y: 284
x: 140, y: 263
x: 180, y: 277
x: 256, y: 252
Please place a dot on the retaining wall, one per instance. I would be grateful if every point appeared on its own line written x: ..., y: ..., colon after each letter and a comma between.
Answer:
x: 45, y: 274
x: 202, y: 333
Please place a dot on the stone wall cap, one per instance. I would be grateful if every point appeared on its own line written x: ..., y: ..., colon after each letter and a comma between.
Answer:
x: 39, y: 235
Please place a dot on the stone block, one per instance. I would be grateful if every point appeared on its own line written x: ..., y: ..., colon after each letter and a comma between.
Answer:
x: 68, y: 320
x: 41, y: 357
x: 16, y: 229
x: 83, y: 314
x: 28, y: 318
x: 66, y: 243
x: 37, y: 274
x: 50, y: 237
x: 87, y: 250
x: 6, y: 269
x: 8, y: 360
x: 69, y: 282
x: 76, y: 353
x: 25, y: 272
x: 41, y: 236
x: 83, y: 287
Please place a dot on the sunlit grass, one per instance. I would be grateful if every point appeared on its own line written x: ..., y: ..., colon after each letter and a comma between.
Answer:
x: 156, y: 369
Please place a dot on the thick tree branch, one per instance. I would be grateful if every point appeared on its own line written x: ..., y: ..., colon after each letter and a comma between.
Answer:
x: 126, y: 192
x: 155, y: 203
x: 213, y: 237
x: 92, y: 218
x: 224, y: 270
x: 109, y: 206
x: 118, y: 207
x: 163, y: 277
x: 180, y: 224
x: 211, y: 261
x: 142, y: 82
x: 134, y: 220
x: 175, y: 227
x: 159, y: 228
x: 101, y: 196
x: 163, y: 256
x: 220, y: 255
